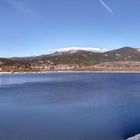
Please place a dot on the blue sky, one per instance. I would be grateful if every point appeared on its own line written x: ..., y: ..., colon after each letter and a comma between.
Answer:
x: 33, y: 27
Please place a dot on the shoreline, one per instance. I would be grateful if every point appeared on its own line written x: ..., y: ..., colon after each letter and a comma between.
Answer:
x: 45, y: 72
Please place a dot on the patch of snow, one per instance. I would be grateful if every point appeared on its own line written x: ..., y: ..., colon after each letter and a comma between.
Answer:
x: 75, y: 49
x: 106, y: 55
x: 118, y: 55
x: 138, y: 49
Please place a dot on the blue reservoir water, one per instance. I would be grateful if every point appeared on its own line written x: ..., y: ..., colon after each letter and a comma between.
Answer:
x: 69, y: 106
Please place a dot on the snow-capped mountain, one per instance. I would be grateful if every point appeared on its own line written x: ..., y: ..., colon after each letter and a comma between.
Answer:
x: 76, y: 49
x: 75, y: 58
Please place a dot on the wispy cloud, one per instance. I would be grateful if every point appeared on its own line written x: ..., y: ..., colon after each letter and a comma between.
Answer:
x: 106, y: 7
x: 20, y: 7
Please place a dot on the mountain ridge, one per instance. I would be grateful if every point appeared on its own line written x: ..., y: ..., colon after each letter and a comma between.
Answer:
x: 77, y: 60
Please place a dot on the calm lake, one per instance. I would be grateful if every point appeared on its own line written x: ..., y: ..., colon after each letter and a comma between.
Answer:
x: 69, y: 106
